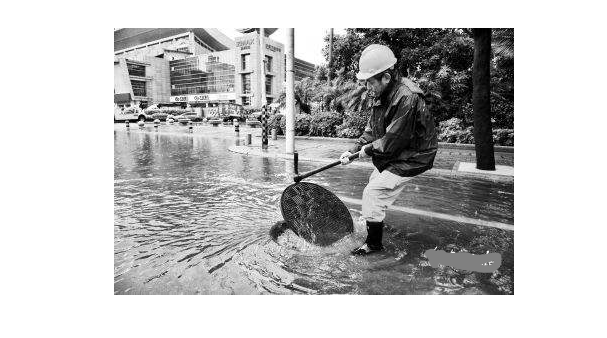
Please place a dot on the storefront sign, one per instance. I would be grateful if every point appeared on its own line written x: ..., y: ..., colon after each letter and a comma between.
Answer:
x: 181, y: 98
x: 272, y: 48
x: 204, y: 97
x: 198, y: 98
x: 245, y: 44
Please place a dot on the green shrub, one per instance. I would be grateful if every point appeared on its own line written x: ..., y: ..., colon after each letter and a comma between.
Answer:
x: 302, y: 124
x: 503, y: 137
x: 452, y: 131
x: 174, y: 111
x: 152, y: 111
x: 349, y: 133
x: 276, y: 121
x: 354, y: 124
x: 325, y: 124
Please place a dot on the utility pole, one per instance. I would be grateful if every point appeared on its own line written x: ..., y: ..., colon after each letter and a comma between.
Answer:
x: 262, y: 73
x: 330, y: 55
x: 290, y: 91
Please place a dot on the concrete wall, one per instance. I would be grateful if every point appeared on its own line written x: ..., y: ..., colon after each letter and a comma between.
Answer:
x: 159, y: 86
x: 122, y: 82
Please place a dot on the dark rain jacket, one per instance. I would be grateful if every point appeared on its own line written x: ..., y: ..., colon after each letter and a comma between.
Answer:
x: 401, y: 131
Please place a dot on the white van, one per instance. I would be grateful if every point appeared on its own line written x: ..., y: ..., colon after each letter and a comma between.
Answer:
x: 122, y: 114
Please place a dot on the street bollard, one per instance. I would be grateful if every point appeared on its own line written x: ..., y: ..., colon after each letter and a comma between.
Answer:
x: 236, y: 126
x: 274, y: 137
x: 295, y: 162
x: 264, y: 128
x: 156, y: 124
x: 190, y: 127
x: 127, y: 124
x: 141, y: 124
x: 248, y: 140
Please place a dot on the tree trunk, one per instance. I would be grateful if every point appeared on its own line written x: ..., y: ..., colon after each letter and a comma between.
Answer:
x: 481, y: 82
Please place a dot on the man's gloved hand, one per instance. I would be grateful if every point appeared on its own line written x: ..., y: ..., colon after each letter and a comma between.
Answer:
x: 344, y: 158
x: 362, y: 154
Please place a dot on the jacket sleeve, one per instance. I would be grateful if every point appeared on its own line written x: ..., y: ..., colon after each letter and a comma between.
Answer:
x: 365, y: 138
x: 400, y: 133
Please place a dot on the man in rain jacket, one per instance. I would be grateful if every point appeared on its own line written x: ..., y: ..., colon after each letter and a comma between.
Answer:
x: 400, y: 138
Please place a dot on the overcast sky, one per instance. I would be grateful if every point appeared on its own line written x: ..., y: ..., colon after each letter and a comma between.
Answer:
x: 308, y: 41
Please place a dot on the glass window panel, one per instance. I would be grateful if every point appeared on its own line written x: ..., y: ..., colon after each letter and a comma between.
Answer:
x: 268, y: 85
x: 135, y: 70
x: 138, y: 88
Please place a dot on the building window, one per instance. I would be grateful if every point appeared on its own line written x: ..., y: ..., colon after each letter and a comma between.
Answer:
x: 195, y: 75
x: 246, y: 101
x: 136, y: 70
x: 246, y: 83
x: 245, y: 61
x: 268, y: 85
x: 138, y: 88
x: 268, y: 63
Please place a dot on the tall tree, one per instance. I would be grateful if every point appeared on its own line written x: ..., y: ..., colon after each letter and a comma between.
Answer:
x: 481, y: 103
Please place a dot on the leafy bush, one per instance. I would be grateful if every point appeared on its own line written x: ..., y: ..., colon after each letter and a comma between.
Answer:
x: 152, y: 111
x: 354, y: 124
x: 453, y: 131
x: 276, y: 121
x: 503, y: 137
x: 173, y: 111
x: 325, y: 124
x: 302, y: 124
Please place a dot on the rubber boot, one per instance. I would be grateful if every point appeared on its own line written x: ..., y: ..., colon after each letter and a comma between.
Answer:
x: 373, y: 242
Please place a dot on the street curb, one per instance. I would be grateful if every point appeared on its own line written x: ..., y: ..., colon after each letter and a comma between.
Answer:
x: 256, y: 151
x: 441, y: 145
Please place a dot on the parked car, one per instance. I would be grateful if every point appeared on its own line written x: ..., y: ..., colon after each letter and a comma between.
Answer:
x: 129, y: 113
x: 191, y: 116
x: 162, y: 116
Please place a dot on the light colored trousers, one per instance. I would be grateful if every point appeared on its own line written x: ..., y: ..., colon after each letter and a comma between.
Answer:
x: 381, y: 191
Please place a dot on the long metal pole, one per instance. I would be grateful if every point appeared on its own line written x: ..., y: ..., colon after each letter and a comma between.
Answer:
x: 290, y: 91
x: 262, y: 73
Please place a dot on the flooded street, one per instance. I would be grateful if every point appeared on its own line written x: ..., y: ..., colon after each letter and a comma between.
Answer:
x: 190, y: 217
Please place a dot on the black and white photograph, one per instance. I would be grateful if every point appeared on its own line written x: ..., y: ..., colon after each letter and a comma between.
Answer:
x: 302, y: 181
x: 313, y: 161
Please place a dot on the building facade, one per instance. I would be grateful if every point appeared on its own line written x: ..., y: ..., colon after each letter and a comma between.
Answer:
x: 200, y: 67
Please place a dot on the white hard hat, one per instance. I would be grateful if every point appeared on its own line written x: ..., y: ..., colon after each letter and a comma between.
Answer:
x: 374, y: 60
